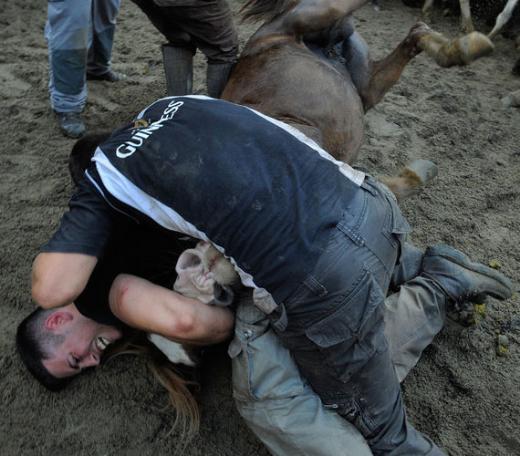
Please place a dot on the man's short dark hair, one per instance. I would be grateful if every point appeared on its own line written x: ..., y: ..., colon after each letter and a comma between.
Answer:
x: 82, y: 152
x: 34, y: 344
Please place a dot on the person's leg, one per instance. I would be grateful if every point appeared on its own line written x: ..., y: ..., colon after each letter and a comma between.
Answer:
x: 413, y: 317
x: 408, y: 267
x: 276, y: 403
x: 104, y: 14
x: 334, y: 325
x: 66, y: 32
x: 178, y: 67
x: 178, y: 51
x: 211, y: 28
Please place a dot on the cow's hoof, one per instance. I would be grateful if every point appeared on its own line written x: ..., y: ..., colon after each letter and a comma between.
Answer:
x: 419, y: 29
x: 413, y: 40
x: 425, y: 170
x: 473, y: 46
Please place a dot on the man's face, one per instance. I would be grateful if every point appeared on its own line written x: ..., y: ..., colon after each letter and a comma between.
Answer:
x: 85, y: 341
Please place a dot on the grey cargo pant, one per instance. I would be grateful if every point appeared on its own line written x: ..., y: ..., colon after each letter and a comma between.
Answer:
x: 278, y: 404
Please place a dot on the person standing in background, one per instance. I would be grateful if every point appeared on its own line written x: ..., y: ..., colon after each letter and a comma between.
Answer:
x: 80, y: 34
x: 189, y: 25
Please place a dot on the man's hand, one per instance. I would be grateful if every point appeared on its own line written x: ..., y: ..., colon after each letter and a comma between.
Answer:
x: 59, y: 278
x: 152, y: 308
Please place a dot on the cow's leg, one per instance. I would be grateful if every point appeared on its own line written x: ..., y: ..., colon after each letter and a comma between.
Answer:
x: 466, y: 24
x: 459, y: 51
x: 503, y: 17
x: 305, y: 18
x: 426, y: 12
x: 374, y: 79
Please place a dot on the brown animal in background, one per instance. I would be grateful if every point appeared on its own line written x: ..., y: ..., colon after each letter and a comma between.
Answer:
x: 285, y: 71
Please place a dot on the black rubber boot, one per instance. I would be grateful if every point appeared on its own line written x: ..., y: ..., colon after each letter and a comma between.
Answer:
x: 460, y: 278
x: 178, y: 69
x: 217, y: 77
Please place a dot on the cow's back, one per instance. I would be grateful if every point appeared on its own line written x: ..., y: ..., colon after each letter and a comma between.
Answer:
x: 285, y: 80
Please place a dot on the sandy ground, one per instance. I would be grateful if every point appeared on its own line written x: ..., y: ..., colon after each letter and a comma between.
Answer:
x: 462, y: 394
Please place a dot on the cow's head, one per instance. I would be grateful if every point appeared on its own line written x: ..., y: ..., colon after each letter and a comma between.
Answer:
x: 205, y: 274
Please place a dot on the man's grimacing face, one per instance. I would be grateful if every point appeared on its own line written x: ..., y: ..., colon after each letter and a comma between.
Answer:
x: 85, y: 341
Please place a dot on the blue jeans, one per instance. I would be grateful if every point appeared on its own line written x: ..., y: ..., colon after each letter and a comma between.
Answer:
x: 79, y: 34
x: 333, y: 324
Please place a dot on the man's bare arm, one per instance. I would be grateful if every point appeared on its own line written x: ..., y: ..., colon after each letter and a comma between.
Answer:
x: 59, y: 278
x: 152, y: 308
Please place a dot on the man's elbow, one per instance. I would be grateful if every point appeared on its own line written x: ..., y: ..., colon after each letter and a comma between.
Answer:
x: 41, y: 296
x: 48, y: 295
x: 182, y: 327
x: 131, y: 302
x: 119, y: 297
x: 59, y: 278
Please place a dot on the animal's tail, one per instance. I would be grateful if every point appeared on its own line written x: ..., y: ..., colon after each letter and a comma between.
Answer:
x: 174, y: 379
x: 265, y: 10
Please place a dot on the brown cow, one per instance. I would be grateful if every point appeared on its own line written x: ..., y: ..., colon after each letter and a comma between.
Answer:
x: 308, y: 67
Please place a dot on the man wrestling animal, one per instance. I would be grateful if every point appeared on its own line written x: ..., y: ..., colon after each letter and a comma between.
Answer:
x: 293, y: 417
x: 316, y: 240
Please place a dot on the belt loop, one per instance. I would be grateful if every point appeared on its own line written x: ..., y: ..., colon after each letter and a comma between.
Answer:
x: 279, y: 318
x: 368, y: 185
x: 263, y: 300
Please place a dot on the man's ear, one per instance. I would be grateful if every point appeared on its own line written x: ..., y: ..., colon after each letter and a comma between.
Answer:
x: 57, y: 319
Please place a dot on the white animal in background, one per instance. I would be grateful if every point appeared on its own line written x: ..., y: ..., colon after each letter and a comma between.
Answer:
x: 503, y: 17
x: 466, y: 24
x: 205, y: 274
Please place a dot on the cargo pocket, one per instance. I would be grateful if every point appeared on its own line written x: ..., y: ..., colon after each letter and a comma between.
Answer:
x: 351, y: 335
x: 262, y: 368
x: 396, y: 226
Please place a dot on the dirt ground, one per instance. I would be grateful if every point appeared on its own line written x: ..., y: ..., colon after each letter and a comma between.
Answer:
x: 462, y: 394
